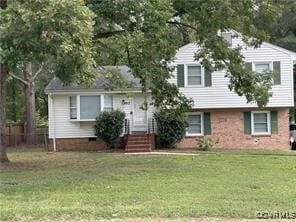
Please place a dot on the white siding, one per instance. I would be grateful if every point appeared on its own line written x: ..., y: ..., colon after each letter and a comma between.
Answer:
x: 216, y: 96
x: 60, y: 125
x: 219, y: 96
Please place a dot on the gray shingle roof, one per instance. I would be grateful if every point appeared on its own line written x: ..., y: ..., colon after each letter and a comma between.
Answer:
x: 101, y: 82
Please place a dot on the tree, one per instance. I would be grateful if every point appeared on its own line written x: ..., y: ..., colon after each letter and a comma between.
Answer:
x: 15, y: 101
x: 3, y: 76
x: 283, y: 33
x: 144, y: 34
x: 147, y: 34
x: 49, y: 31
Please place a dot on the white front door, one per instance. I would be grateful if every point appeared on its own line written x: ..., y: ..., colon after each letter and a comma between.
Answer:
x: 139, y: 115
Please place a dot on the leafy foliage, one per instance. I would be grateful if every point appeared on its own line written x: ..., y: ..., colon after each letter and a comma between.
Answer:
x: 147, y: 34
x: 206, y: 144
x: 171, y: 126
x: 59, y: 32
x: 15, y: 103
x: 109, y: 126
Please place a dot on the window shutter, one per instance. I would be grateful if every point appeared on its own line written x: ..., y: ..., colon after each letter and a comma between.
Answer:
x: 207, y: 123
x: 277, y: 72
x: 208, y: 78
x: 274, y: 122
x: 247, y: 123
x: 180, y: 75
x: 248, y: 66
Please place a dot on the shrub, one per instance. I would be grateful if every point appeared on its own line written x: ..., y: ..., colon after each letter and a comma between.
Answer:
x: 171, y: 126
x: 206, y: 144
x: 109, y: 126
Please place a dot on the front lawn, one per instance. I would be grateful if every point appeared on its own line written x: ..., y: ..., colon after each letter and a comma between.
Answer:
x: 80, y: 185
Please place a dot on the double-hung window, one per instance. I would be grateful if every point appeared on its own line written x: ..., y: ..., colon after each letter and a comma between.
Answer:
x: 260, y: 123
x: 194, y: 75
x: 73, y: 107
x: 108, y: 102
x: 262, y: 67
x: 195, y: 124
x: 88, y: 107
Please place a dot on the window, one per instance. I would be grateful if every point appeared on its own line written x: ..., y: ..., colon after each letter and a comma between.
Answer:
x: 194, y: 75
x: 262, y: 67
x: 227, y: 36
x: 261, y: 123
x: 87, y: 108
x: 108, y: 102
x: 90, y: 106
x: 73, y: 107
x: 195, y: 122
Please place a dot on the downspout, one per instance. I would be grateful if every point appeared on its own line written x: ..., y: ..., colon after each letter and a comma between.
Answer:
x: 53, y: 122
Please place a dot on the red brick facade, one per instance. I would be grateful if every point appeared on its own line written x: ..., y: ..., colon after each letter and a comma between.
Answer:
x: 77, y: 144
x: 228, y: 129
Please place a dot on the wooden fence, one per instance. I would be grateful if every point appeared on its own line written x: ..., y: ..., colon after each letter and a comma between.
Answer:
x: 16, y: 135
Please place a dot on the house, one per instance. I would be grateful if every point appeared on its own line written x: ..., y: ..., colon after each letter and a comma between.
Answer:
x: 217, y: 112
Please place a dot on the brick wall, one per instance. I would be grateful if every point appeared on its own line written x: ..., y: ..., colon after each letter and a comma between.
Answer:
x: 77, y: 144
x: 228, y: 129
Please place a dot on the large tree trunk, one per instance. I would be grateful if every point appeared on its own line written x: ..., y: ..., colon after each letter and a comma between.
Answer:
x: 3, y: 154
x: 30, y: 105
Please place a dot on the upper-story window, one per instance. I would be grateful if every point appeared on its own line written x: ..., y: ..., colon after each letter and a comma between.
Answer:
x: 227, y: 36
x: 88, y: 107
x: 194, y: 75
x: 262, y: 67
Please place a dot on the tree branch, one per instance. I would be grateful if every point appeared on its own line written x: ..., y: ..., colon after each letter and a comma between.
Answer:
x: 108, y: 34
x: 182, y: 24
x: 19, y: 78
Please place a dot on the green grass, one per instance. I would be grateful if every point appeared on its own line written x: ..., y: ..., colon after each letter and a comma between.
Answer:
x: 52, y: 186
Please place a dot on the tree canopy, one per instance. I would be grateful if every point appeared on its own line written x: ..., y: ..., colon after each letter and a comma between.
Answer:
x: 146, y: 34
x: 75, y: 36
x: 59, y: 32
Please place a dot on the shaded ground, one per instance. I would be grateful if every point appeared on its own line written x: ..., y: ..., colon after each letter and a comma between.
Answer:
x: 67, y: 186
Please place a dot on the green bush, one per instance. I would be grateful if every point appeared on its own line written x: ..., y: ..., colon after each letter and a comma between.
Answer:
x: 206, y: 144
x: 171, y: 126
x: 109, y: 126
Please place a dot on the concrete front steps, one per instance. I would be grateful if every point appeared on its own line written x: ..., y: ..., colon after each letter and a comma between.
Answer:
x: 140, y: 142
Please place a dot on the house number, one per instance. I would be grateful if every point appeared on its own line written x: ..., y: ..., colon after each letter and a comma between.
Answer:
x: 125, y: 102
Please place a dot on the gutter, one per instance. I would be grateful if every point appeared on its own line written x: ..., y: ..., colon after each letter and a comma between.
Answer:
x: 67, y: 91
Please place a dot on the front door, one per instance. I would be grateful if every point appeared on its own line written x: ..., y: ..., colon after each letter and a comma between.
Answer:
x: 139, y: 115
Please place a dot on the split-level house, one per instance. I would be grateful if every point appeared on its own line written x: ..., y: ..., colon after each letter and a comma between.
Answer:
x: 217, y: 112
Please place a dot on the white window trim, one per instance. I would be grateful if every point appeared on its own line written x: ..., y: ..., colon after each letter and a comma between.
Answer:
x: 202, y: 124
x: 270, y: 63
x: 268, y: 123
x: 186, y: 75
x: 74, y: 107
x: 104, y: 102
x: 78, y: 107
